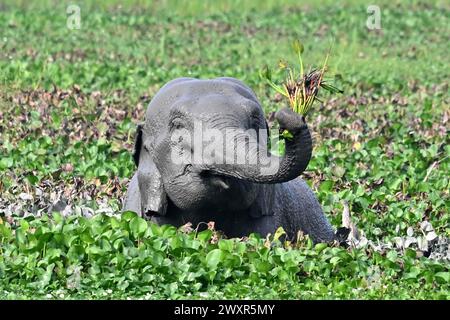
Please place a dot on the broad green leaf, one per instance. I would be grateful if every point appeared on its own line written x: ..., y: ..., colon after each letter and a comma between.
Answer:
x: 128, y: 215
x: 24, y: 225
x: 444, y: 277
x: 263, y: 266
x: 226, y: 245
x: 326, y: 186
x: 205, y: 235
x: 213, y: 258
x: 138, y: 226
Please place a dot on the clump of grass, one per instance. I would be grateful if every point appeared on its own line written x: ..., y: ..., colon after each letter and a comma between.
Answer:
x: 301, y: 88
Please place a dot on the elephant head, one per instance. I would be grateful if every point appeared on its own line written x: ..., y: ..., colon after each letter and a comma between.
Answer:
x: 207, y: 179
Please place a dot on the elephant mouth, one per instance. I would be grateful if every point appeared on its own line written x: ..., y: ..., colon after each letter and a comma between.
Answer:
x: 200, y: 188
x: 220, y: 181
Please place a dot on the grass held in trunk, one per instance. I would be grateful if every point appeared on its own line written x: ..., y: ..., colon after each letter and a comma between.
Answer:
x: 301, y: 88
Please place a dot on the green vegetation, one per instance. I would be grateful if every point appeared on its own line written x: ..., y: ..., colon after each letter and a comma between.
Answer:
x: 300, y: 88
x: 70, y: 101
x: 128, y: 257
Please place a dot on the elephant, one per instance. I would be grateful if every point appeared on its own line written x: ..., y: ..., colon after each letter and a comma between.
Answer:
x: 241, y: 198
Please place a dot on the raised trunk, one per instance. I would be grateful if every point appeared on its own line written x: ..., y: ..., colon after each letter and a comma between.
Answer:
x: 280, y: 169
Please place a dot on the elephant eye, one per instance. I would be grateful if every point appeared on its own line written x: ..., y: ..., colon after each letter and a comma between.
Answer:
x: 177, y: 123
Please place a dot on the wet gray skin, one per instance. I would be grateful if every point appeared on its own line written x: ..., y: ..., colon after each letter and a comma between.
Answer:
x: 240, y: 198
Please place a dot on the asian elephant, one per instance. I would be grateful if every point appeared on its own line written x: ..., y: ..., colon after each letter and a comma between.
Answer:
x: 241, y: 197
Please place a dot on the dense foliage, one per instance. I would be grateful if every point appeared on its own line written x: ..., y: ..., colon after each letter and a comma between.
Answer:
x: 129, y: 257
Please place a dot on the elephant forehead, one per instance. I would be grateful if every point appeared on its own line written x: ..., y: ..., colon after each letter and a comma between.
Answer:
x: 203, y: 96
x: 217, y: 104
x: 191, y: 86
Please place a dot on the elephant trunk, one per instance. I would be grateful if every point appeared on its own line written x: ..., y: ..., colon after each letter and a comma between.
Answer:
x: 263, y: 167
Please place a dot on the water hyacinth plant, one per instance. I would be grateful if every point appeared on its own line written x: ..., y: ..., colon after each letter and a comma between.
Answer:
x: 300, y: 88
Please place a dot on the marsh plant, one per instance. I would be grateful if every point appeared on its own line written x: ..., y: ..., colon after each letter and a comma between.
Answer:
x: 301, y: 88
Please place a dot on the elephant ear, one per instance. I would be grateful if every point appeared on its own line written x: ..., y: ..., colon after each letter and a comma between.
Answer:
x: 137, y: 144
x: 264, y: 203
x: 268, y: 132
x: 151, y: 187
